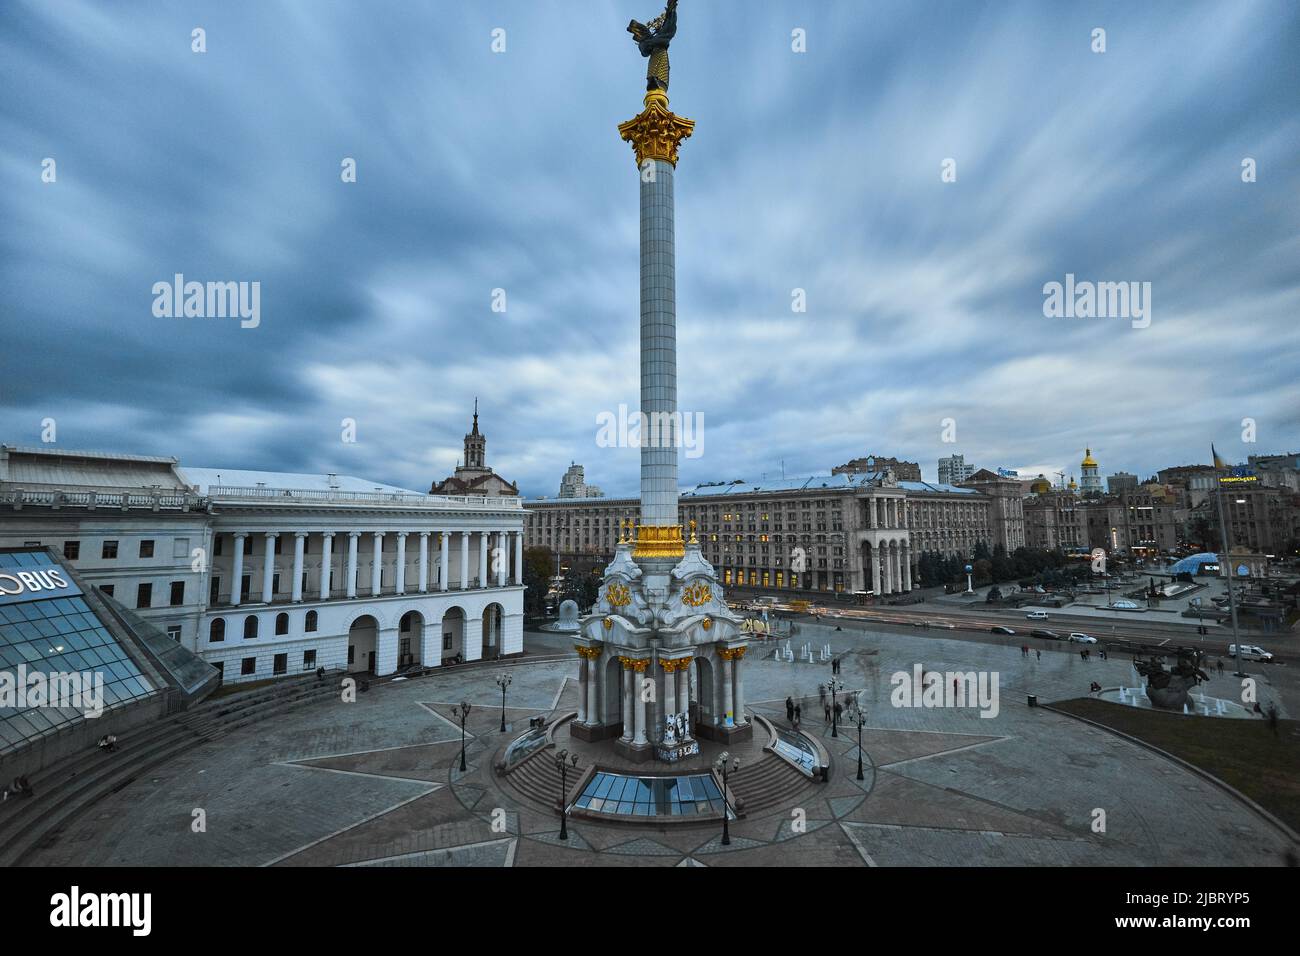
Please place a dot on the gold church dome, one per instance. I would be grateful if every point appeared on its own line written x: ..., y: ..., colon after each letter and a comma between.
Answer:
x: 1088, y: 460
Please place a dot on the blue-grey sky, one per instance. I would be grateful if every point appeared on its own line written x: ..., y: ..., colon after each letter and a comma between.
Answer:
x: 820, y: 170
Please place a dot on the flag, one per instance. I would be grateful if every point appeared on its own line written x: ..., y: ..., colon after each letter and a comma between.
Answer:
x: 1218, y: 462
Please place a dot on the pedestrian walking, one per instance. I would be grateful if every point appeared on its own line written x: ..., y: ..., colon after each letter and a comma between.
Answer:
x: 789, y: 711
x: 828, y: 713
x: 798, y: 716
x: 1038, y: 653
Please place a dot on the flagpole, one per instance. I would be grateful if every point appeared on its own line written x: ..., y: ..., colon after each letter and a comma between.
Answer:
x: 1227, y: 568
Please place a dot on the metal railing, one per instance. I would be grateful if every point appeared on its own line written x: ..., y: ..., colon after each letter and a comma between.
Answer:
x: 403, y: 499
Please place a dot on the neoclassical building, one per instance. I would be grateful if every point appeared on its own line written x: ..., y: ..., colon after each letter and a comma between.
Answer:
x: 842, y: 532
x: 266, y: 574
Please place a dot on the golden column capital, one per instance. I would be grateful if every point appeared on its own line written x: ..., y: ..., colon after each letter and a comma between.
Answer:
x: 656, y: 132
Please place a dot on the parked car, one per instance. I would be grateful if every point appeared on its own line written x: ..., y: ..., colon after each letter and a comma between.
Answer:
x: 1001, y: 629
x: 1043, y: 633
x: 1078, y: 637
x: 1252, y: 652
x: 1037, y: 615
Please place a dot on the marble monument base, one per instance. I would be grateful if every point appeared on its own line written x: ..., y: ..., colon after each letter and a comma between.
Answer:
x: 725, y: 735
x: 592, y: 732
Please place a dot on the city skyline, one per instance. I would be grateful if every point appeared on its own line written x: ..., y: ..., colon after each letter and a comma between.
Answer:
x: 924, y: 298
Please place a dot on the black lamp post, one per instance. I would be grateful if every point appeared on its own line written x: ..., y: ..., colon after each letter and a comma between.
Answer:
x: 503, y: 682
x: 835, y: 687
x: 562, y: 760
x: 461, y: 713
x: 858, y: 718
x: 724, y: 764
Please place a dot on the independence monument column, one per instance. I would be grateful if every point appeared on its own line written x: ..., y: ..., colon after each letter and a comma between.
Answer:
x: 655, y: 135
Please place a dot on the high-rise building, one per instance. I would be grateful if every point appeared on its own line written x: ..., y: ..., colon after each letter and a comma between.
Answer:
x: 954, y: 470
x: 574, y: 484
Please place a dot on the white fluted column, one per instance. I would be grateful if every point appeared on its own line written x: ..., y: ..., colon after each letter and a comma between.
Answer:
x: 483, y: 545
x: 299, y: 547
x: 684, y: 694
x: 352, y: 562
x: 728, y: 692
x: 628, y: 719
x: 670, y: 693
x: 738, y: 682
x: 401, y: 562
x: 593, y: 692
x: 582, y: 686
x: 268, y: 568
x: 444, y: 568
x: 503, y: 569
x: 237, y: 586
x: 907, y: 567
x: 326, y: 562
x: 424, y: 562
x: 377, y: 566
x: 519, y: 557
x: 638, y: 696
x: 876, y: 583
x: 464, y: 560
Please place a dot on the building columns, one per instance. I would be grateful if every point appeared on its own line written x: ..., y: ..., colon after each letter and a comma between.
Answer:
x: 444, y: 569
x: 377, y: 569
x: 738, y: 682
x: 583, y: 669
x: 638, y: 694
x: 299, y: 547
x: 237, y: 586
x: 628, y: 720
x: 386, y: 642
x: 670, y: 691
x: 268, y: 568
x: 464, y: 560
x: 503, y: 558
x: 876, y: 584
x: 326, y: 560
x: 352, y: 562
x: 424, y: 563
x: 401, y: 562
x: 728, y: 691
x: 483, y: 546
x: 519, y: 557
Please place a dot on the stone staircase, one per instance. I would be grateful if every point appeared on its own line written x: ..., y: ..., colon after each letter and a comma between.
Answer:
x: 768, y: 783
x: 538, y: 778
x: 69, y: 788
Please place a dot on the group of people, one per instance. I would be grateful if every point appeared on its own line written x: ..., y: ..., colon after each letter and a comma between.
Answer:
x: 18, y: 788
x: 1024, y: 652
x: 793, y: 713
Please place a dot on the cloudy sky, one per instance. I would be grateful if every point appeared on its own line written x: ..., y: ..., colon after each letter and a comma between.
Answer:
x: 480, y: 170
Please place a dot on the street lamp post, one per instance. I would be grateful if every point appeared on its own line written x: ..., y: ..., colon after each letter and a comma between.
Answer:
x: 724, y: 764
x: 461, y: 713
x: 503, y: 682
x: 562, y: 760
x: 859, y: 718
x: 835, y: 686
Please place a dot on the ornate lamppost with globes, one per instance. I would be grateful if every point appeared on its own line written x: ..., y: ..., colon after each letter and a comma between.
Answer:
x: 461, y: 713
x: 859, y: 717
x: 503, y: 682
x: 835, y: 686
x: 725, y: 764
x: 562, y: 760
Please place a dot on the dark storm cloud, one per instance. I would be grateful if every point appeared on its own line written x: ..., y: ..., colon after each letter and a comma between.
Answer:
x: 817, y: 171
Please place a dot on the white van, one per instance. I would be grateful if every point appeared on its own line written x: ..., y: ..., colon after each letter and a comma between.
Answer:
x: 1037, y: 615
x: 1252, y: 652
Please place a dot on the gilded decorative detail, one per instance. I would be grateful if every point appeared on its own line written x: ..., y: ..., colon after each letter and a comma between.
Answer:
x: 590, y: 653
x: 675, y: 664
x: 657, y: 132
x: 618, y: 595
x: 707, y: 623
x: 639, y: 666
x: 732, y: 653
x: 693, y: 540
x: 697, y: 594
x: 659, y: 542
x: 607, y: 624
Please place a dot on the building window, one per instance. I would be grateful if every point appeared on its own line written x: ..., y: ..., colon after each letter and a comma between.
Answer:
x: 217, y: 630
x: 248, y: 666
x: 310, y: 624
x: 250, y: 627
x: 72, y: 550
x: 216, y: 545
x: 352, y: 653
x: 282, y: 623
x: 178, y: 593
x: 146, y: 548
x: 174, y: 632
x: 214, y: 591
x: 446, y: 641
x: 280, y: 664
x: 144, y: 595
x: 109, y: 551
x: 309, y: 659
x: 106, y: 589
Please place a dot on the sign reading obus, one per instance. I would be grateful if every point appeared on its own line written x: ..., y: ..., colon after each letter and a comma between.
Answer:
x: 34, y: 583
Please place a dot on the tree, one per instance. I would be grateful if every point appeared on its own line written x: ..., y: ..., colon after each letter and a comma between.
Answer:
x: 539, y: 568
x: 582, y: 587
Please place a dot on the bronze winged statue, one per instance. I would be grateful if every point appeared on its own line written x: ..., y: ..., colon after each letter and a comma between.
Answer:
x: 652, y: 40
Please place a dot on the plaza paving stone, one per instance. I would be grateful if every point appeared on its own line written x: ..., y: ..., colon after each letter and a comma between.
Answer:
x: 376, y: 782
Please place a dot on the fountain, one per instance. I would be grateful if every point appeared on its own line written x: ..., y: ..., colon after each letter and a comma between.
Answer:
x: 568, y: 622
